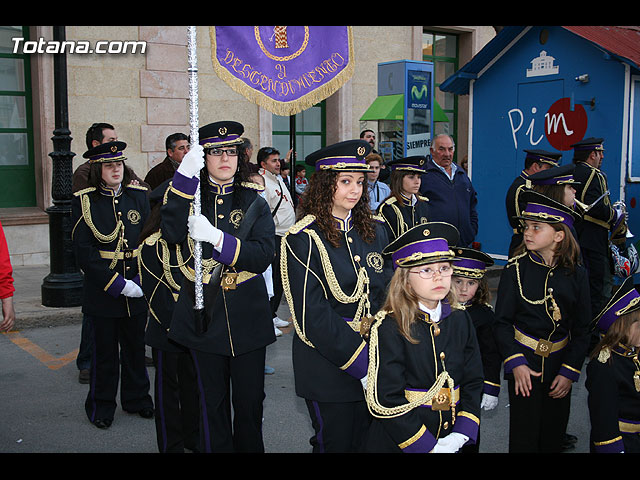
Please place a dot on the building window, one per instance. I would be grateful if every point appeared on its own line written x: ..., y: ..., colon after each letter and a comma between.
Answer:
x: 310, y: 133
x: 17, y: 178
x: 442, y: 49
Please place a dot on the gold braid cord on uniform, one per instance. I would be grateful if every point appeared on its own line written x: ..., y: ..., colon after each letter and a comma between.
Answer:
x: 371, y: 395
x: 360, y: 293
x: 118, y: 231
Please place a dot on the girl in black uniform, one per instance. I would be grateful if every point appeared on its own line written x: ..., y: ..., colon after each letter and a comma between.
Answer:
x: 472, y: 291
x: 542, y: 325
x: 108, y: 217
x: 404, y: 208
x: 334, y: 278
x: 613, y: 375
x: 161, y: 264
x: 228, y: 342
x: 424, y: 383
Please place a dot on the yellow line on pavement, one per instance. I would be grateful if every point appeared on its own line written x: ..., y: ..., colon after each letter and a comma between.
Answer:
x: 39, y: 353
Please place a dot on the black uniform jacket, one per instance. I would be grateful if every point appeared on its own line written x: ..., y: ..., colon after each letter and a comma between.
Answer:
x: 614, y: 402
x: 105, y: 240
x: 520, y: 324
x: 240, y: 318
x: 593, y: 230
x: 483, y: 319
x: 401, y: 216
x: 407, y: 370
x: 513, y: 208
x: 160, y: 265
x: 319, y: 281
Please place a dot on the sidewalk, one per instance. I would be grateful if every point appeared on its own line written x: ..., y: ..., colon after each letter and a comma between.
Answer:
x: 27, y: 300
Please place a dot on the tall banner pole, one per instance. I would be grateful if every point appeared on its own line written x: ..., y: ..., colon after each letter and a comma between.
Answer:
x: 194, y: 136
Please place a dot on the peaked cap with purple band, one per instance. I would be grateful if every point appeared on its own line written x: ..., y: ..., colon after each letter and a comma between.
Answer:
x: 553, y: 176
x: 220, y: 134
x: 625, y: 300
x: 106, y: 152
x: 552, y: 158
x: 471, y: 263
x: 589, y: 144
x: 540, y: 208
x: 347, y: 156
x: 423, y: 244
x: 415, y: 164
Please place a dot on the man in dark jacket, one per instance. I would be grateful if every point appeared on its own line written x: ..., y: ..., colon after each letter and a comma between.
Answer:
x: 177, y: 146
x: 451, y: 195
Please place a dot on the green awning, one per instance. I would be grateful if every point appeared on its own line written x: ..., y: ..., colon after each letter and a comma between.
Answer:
x: 391, y: 107
x: 386, y: 107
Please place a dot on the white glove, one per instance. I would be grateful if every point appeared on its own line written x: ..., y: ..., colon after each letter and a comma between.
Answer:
x: 201, y: 230
x: 192, y: 162
x: 489, y: 402
x: 132, y: 289
x: 451, y: 443
x: 363, y: 380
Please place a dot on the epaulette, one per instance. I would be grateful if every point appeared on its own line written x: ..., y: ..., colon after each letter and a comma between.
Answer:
x: 390, y: 200
x: 423, y: 198
x: 377, y: 218
x: 153, y: 238
x: 511, y: 260
x: 253, y: 186
x: 301, y: 224
x: 137, y: 187
x: 83, y: 191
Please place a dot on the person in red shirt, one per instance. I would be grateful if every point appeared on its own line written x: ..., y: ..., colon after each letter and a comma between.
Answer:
x: 6, y: 285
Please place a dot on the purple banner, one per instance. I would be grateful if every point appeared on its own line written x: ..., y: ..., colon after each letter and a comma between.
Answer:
x: 283, y: 69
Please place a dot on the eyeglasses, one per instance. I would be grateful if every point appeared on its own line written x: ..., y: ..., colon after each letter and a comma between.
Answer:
x: 428, y: 272
x: 217, y: 152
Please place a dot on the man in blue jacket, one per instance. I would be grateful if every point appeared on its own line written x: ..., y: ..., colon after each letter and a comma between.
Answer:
x: 452, y: 198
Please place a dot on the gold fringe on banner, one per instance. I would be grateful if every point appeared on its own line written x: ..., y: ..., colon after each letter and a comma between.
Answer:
x: 284, y: 108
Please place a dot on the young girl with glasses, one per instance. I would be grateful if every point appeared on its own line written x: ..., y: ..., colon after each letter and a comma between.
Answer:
x: 424, y: 382
x: 542, y: 325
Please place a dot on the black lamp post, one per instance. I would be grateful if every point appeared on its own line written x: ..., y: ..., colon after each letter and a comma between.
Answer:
x: 63, y: 286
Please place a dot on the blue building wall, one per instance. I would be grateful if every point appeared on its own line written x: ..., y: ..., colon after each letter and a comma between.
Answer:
x: 509, y: 115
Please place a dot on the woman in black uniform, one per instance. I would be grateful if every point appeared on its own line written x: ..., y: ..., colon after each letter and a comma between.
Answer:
x: 613, y: 375
x: 404, y: 208
x: 237, y: 235
x: 334, y: 278
x: 108, y: 217
x: 161, y: 264
x: 424, y: 382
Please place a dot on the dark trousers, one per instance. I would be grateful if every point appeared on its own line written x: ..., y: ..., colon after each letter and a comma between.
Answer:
x: 177, y: 412
x: 118, y: 358
x: 223, y: 382
x: 338, y: 427
x: 537, y: 423
x: 83, y: 360
x: 277, y: 279
x: 599, y: 269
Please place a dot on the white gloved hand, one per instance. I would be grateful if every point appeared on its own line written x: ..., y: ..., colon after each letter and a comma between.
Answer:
x: 192, y: 162
x: 363, y: 380
x: 451, y: 443
x: 132, y: 289
x: 201, y: 230
x: 489, y: 402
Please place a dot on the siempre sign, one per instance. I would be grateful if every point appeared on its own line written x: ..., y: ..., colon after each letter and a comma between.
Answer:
x: 282, y: 68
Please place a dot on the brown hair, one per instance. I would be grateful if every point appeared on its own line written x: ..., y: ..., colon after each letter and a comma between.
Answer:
x: 618, y: 333
x: 566, y: 253
x: 323, y: 185
x: 554, y: 192
x: 403, y: 302
x: 395, y: 182
x: 483, y: 294
x: 373, y: 157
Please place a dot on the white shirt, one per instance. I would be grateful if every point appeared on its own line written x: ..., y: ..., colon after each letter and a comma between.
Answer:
x: 434, y: 315
x: 285, y: 217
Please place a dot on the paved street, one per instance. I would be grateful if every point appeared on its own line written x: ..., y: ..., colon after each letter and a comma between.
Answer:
x: 42, y: 401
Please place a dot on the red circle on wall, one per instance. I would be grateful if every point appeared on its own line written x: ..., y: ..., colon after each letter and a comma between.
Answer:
x: 564, y: 127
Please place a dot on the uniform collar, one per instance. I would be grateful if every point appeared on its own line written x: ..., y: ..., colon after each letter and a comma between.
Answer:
x: 110, y: 192
x: 442, y: 311
x: 344, y: 225
x: 225, y: 189
x: 408, y: 201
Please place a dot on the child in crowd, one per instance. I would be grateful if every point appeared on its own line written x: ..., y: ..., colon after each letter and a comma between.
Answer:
x: 301, y: 181
x: 424, y: 383
x: 542, y: 325
x: 472, y: 291
x: 613, y: 375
